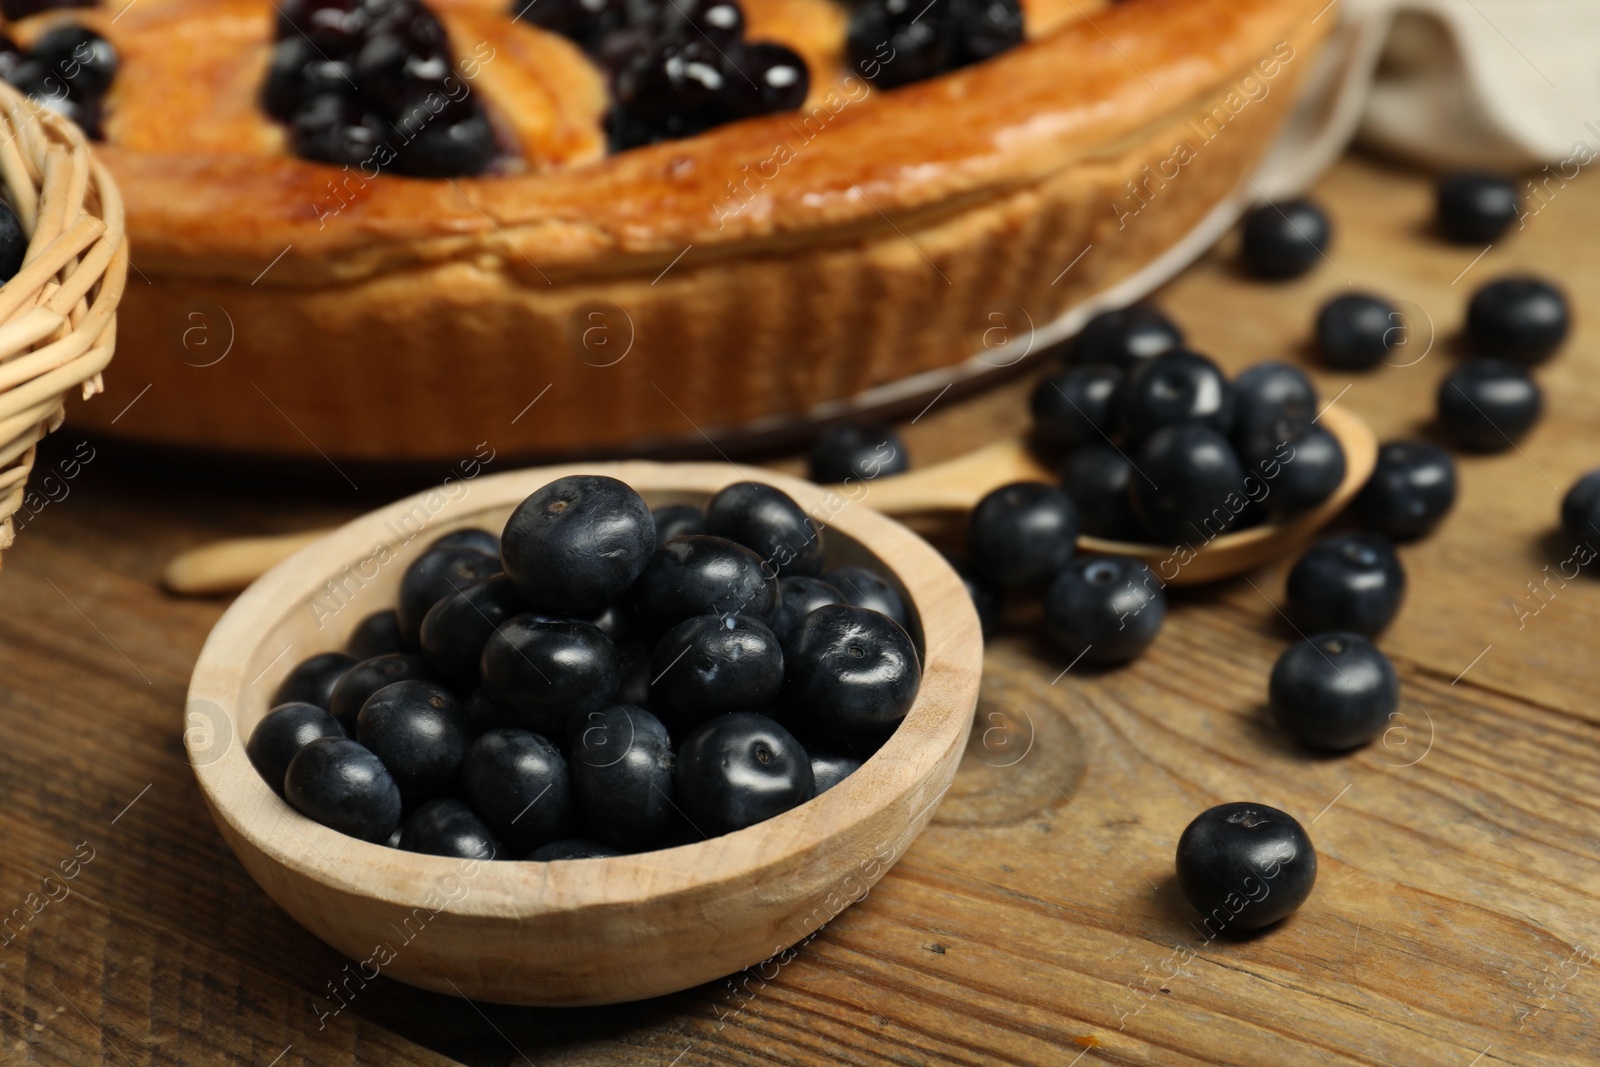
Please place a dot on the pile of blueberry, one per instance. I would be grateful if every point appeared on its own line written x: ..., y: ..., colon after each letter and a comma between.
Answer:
x: 372, y: 83
x: 68, y: 71
x: 897, y: 42
x: 599, y: 680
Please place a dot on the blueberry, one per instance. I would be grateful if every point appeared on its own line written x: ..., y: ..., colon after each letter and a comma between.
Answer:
x: 676, y: 88
x: 13, y: 243
x: 313, y: 680
x: 1172, y: 388
x: 1285, y: 239
x: 740, y: 769
x: 341, y: 785
x: 1488, y: 405
x: 82, y: 58
x: 432, y: 576
x: 1580, y: 510
x: 769, y: 77
x: 1311, y: 467
x: 541, y: 671
x: 1021, y: 534
x: 987, y: 599
x: 577, y: 544
x: 334, y: 129
x: 849, y: 672
x: 1096, y: 476
x: 1190, y: 484
x: 1245, y: 866
x: 622, y: 763
x: 449, y: 148
x: 298, y: 73
x: 676, y: 520
x: 982, y: 29
x: 799, y: 597
x: 702, y: 575
x: 419, y: 732
x: 865, y: 588
x: 1104, y: 610
x: 582, y: 21
x: 1271, y: 401
x: 1357, y: 331
x: 521, y: 786
x: 282, y: 733
x: 376, y: 635
x: 484, y: 541
x: 828, y: 769
x: 458, y: 626
x: 718, y: 21
x: 1472, y: 207
x: 1334, y: 691
x: 711, y: 664
x: 1077, y: 405
x: 369, y: 676
x: 1125, y: 337
x: 633, y: 668
x: 335, y: 27
x: 1519, y: 318
x: 897, y: 42
x: 856, y: 451
x: 395, y: 80
x: 447, y: 827
x: 411, y: 22
x: 1413, y: 486
x: 572, y: 849
x: 1349, y: 582
x: 769, y: 523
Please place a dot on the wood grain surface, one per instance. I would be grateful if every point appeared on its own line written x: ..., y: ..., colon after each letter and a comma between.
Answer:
x: 1036, y: 921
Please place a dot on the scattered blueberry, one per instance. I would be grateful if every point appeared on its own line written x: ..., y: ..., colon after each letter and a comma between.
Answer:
x: 1472, y: 207
x: 1125, y: 337
x: 376, y: 635
x: 1172, y: 388
x: 1580, y: 510
x: 1488, y: 405
x: 1413, y: 486
x: 369, y: 676
x: 1021, y: 534
x: 1189, y: 485
x: 675, y: 520
x: 712, y: 664
x: 578, y: 543
x: 703, y: 575
x: 541, y: 671
x: 282, y: 733
x: 862, y: 587
x: 1520, y: 318
x: 447, y: 827
x: 740, y: 769
x: 458, y: 626
x: 799, y: 597
x: 341, y: 785
x: 1096, y: 477
x: 1357, y: 331
x: 433, y: 576
x: 521, y: 786
x: 849, y: 672
x: 1350, y: 581
x: 856, y: 451
x: 313, y: 680
x: 1244, y: 866
x: 622, y: 763
x: 828, y: 769
x: 767, y: 521
x: 1285, y: 239
x: 1104, y: 610
x: 1077, y: 405
x: 1334, y: 691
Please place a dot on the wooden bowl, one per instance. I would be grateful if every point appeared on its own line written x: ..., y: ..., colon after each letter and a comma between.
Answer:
x: 584, y: 931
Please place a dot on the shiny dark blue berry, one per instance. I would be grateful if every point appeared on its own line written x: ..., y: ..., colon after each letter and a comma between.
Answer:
x: 677, y: 88
x: 419, y: 732
x: 768, y: 77
x: 1351, y: 581
x: 1077, y: 405
x: 282, y: 733
x: 577, y: 544
x: 313, y: 680
x: 622, y: 762
x: 856, y: 451
x: 448, y: 827
x: 1271, y: 402
x: 1189, y: 485
x: 1104, y: 610
x: 1311, y: 465
x: 863, y: 587
x: 572, y: 848
x: 1096, y: 476
x: 1334, y: 691
x: 376, y: 635
x: 718, y: 21
x: 445, y: 148
x: 432, y: 576
x: 458, y: 626
x: 1285, y: 239
x: 298, y: 74
x: 676, y: 520
x: 336, y: 27
x: 1172, y: 388
x: 1021, y: 534
x: 703, y: 575
x: 1520, y: 318
x: 1412, y: 487
x: 799, y: 597
x: 1488, y: 405
x: 341, y: 785
x: 1471, y: 207
x: 767, y: 521
x: 1245, y: 866
x: 1357, y: 331
x: 80, y: 57
x: 520, y: 785
x: 737, y: 770
x: 828, y: 769
x: 849, y: 672
x: 982, y: 29
x: 1125, y: 337
x: 1580, y: 510
x: 336, y: 129
x: 396, y: 80
x: 13, y: 243
x: 712, y: 664
x: 897, y: 42
x: 367, y: 677
x: 542, y: 671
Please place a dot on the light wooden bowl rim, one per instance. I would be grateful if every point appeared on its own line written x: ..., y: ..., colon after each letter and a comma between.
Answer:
x: 953, y: 653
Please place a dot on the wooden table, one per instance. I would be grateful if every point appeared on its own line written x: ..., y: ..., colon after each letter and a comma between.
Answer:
x: 1036, y: 921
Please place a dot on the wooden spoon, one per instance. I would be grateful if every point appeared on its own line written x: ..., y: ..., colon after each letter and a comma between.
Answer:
x: 955, y: 485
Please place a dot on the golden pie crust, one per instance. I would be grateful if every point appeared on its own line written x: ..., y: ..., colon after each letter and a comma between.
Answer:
x: 689, y: 289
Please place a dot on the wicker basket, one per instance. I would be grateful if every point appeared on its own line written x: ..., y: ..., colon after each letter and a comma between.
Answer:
x: 58, y: 315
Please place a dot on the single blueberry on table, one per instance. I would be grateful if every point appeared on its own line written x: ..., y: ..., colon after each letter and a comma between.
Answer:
x: 448, y: 827
x: 1284, y: 239
x: 520, y: 785
x: 622, y: 762
x: 1125, y: 337
x: 1021, y: 534
x: 1412, y: 487
x: 458, y: 626
x: 712, y: 664
x: 1334, y: 691
x: 799, y: 597
x: 1096, y: 477
x: 863, y: 587
x: 703, y: 575
x: 767, y: 521
x: 1346, y: 582
x: 1471, y: 207
x: 740, y: 769
x: 1077, y: 405
x: 1357, y: 331
x: 313, y: 680
x: 1488, y: 405
x: 1520, y: 318
x: 419, y: 732
x: 540, y: 672
x: 433, y: 576
x: 369, y: 676
x: 828, y: 769
x: 849, y: 672
x: 578, y: 543
x: 1189, y: 486
x: 282, y: 733
x: 1104, y: 610
x: 1173, y: 388
x: 675, y: 520
x: 376, y: 635
x: 1580, y: 510
x: 341, y: 785
x: 856, y: 451
x: 572, y: 848
x: 1245, y: 866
